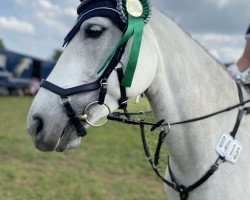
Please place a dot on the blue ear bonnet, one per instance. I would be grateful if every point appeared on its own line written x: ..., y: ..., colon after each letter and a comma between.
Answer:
x: 96, y: 8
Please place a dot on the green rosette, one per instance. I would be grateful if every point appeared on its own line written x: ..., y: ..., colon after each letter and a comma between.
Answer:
x: 137, y: 12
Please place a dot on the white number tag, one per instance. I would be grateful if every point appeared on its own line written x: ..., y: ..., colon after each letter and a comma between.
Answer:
x: 229, y: 148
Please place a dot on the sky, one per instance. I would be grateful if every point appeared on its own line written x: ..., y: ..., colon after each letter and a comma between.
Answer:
x: 38, y: 27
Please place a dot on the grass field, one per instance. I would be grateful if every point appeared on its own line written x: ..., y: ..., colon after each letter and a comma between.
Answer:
x: 109, y: 165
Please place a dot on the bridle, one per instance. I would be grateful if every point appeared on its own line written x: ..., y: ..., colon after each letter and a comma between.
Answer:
x: 125, y: 117
x: 99, y: 84
x: 116, y: 11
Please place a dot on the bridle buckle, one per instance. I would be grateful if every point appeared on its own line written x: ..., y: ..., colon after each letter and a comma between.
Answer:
x: 64, y: 100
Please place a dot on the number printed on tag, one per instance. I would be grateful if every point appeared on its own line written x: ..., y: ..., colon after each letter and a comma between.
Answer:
x: 229, y: 148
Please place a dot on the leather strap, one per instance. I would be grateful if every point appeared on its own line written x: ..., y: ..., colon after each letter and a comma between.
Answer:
x: 103, y: 92
x: 240, y: 112
x: 74, y: 119
x: 70, y: 91
x: 123, y: 99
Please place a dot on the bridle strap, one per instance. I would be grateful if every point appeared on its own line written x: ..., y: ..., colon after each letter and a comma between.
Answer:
x: 70, y: 91
x: 74, y: 119
x: 240, y: 112
x: 148, y: 155
x: 111, y: 66
x: 103, y: 92
x: 122, y: 102
x: 123, y: 99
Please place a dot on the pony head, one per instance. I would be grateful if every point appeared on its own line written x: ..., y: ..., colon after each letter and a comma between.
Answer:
x: 109, y: 56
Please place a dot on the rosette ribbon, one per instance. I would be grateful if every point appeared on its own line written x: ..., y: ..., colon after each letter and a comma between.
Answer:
x: 134, y: 30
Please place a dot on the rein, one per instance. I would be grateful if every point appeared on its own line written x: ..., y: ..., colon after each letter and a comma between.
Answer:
x: 154, y: 162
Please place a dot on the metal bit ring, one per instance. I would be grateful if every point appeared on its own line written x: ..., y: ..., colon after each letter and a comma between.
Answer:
x: 95, y: 103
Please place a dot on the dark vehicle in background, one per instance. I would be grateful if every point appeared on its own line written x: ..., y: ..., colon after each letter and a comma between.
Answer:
x: 17, y: 71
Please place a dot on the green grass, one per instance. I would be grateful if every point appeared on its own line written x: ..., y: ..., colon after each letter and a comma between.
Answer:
x: 109, y: 164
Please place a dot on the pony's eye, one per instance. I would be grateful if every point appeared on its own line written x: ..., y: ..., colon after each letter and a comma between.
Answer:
x: 94, y: 31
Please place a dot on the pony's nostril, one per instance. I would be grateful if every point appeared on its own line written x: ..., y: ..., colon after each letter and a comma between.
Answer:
x: 36, y: 126
x: 39, y: 125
